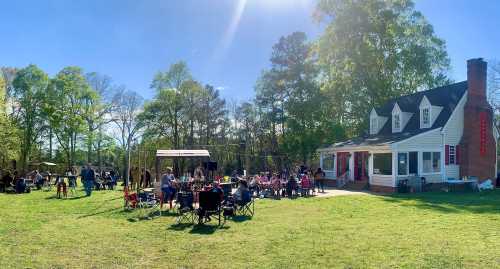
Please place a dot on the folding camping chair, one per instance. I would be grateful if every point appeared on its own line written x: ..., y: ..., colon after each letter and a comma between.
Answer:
x: 209, y: 205
x: 130, y: 199
x: 185, y: 208
x: 245, y: 206
x: 148, y: 200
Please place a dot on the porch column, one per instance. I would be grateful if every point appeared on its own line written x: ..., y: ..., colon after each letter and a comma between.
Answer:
x: 394, y: 167
x: 370, y: 167
x: 351, y: 165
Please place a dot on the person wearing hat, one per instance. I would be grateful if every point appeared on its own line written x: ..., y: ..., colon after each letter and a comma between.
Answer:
x: 167, y: 190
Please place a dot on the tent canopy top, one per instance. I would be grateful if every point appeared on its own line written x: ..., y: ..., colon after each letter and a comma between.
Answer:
x: 44, y: 163
x: 182, y: 153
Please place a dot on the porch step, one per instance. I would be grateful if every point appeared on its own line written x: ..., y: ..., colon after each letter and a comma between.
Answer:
x: 357, y: 185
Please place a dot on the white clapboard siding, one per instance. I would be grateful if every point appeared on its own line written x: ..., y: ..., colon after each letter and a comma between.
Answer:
x: 453, y: 131
x: 382, y: 180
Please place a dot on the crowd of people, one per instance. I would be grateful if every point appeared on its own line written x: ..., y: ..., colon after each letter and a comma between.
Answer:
x: 36, y: 179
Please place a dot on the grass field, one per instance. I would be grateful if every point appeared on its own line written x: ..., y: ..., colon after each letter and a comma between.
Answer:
x: 431, y: 230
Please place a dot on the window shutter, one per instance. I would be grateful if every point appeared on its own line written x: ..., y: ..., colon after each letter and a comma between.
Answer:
x: 447, y: 154
x: 457, y: 154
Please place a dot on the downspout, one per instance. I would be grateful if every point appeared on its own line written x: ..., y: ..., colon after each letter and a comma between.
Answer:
x: 443, y: 152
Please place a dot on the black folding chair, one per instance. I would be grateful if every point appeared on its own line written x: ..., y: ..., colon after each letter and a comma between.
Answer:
x: 246, y: 208
x: 185, y: 208
x: 210, y: 205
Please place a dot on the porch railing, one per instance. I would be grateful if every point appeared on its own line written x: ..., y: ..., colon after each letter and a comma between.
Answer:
x: 343, y: 179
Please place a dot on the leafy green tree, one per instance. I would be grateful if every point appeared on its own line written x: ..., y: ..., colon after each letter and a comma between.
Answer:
x: 68, y: 97
x: 29, y: 89
x: 375, y: 50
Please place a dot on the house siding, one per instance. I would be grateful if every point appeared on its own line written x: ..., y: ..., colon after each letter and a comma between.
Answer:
x: 429, y: 141
x: 453, y: 131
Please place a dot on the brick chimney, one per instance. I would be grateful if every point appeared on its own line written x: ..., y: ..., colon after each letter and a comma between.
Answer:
x: 477, y: 147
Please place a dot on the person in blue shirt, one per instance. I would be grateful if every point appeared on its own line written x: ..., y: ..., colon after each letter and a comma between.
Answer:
x: 88, y: 179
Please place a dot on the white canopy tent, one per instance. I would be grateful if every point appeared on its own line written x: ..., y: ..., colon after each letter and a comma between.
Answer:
x: 182, y: 153
x: 179, y: 153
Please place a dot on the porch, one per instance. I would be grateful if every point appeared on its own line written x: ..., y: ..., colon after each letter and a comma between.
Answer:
x: 356, y: 168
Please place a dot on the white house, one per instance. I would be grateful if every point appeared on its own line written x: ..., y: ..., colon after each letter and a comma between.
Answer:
x: 445, y: 132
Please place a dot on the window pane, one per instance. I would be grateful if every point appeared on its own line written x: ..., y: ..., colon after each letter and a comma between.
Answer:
x: 427, y: 165
x: 413, y: 162
x: 402, y: 164
x: 452, y: 154
x: 436, y: 161
x: 328, y: 162
x: 382, y: 164
x: 426, y: 118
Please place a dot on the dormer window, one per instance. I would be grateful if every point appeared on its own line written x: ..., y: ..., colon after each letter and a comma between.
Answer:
x: 425, y: 113
x: 373, y: 125
x: 397, y: 122
x: 426, y: 117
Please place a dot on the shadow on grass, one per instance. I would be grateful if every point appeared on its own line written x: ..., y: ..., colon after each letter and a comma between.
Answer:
x: 203, y: 229
x: 486, y: 202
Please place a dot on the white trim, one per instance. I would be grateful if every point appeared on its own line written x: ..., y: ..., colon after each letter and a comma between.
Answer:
x: 407, y: 163
x: 455, y: 109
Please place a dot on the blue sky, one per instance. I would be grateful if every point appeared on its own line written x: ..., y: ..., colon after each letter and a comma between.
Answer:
x: 224, y: 42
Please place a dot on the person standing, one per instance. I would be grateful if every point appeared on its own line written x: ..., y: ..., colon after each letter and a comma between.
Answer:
x: 166, y: 187
x: 88, y: 179
x: 135, y: 179
x: 319, y: 179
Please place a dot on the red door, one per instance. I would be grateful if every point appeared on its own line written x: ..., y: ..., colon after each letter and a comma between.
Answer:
x: 361, y: 165
x: 342, y: 163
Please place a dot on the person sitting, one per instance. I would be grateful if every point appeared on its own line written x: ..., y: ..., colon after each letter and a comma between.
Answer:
x: 6, y: 181
x: 242, y: 194
x: 20, y: 184
x: 254, y: 185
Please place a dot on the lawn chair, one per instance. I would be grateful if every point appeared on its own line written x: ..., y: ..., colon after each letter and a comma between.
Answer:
x: 246, y: 207
x: 209, y: 205
x: 130, y: 199
x: 185, y: 207
x: 148, y: 200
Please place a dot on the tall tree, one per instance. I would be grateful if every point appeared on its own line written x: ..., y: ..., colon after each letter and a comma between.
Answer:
x: 29, y: 88
x: 68, y: 98
x: 96, y: 110
x: 374, y: 50
x: 126, y: 107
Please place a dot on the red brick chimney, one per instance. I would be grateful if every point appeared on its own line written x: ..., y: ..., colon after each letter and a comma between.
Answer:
x: 477, y: 147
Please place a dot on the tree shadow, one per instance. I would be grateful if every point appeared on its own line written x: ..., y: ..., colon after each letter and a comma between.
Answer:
x: 99, y: 212
x: 486, y: 202
x: 241, y: 218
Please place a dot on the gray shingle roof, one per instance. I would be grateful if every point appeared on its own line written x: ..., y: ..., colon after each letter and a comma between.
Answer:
x: 446, y: 97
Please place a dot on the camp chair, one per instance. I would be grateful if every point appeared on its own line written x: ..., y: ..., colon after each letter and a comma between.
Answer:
x: 209, y: 205
x: 185, y: 208
x: 148, y: 200
x: 246, y: 207
x: 130, y: 199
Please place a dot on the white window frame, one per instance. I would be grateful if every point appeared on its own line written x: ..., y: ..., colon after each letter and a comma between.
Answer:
x: 452, y: 153
x: 423, y: 124
x: 432, y: 158
x: 373, y: 125
x: 407, y: 163
x: 397, y: 116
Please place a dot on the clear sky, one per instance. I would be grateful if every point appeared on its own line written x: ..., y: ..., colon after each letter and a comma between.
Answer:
x: 226, y: 43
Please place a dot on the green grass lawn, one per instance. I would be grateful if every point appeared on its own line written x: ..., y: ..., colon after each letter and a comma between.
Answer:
x: 431, y: 230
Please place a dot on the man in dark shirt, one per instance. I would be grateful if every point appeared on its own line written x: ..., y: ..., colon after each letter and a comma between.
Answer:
x: 88, y: 179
